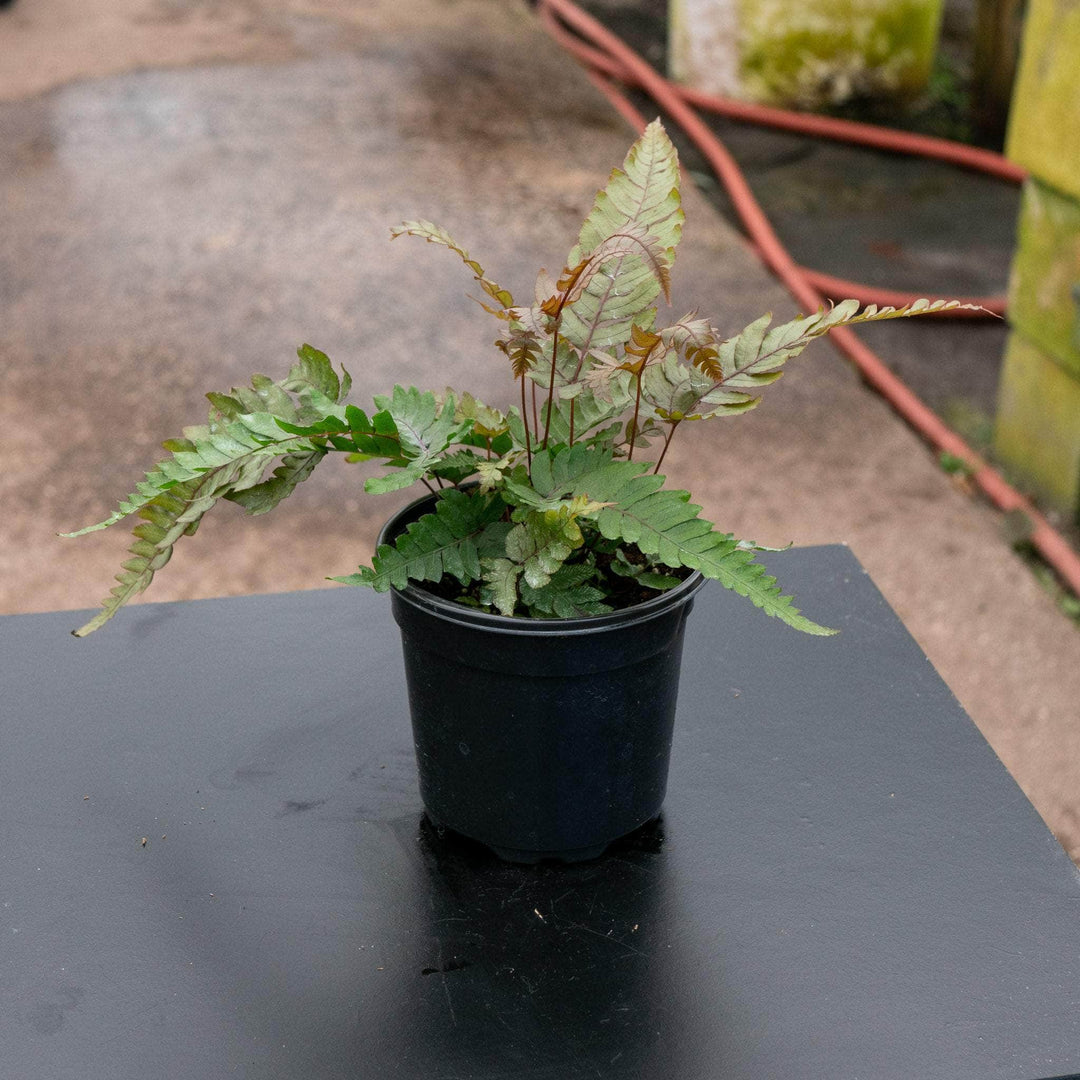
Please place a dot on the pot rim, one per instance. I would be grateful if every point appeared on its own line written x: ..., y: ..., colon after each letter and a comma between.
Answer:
x: 451, y: 611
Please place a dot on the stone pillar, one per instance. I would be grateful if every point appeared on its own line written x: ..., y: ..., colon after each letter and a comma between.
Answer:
x: 1038, y: 422
x: 804, y: 53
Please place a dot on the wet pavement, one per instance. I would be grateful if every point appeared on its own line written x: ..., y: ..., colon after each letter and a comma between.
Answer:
x: 191, y: 188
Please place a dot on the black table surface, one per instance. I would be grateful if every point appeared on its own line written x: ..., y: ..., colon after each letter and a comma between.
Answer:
x: 215, y: 864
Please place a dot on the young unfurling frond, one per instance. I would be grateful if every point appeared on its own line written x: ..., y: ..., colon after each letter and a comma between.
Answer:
x: 434, y: 234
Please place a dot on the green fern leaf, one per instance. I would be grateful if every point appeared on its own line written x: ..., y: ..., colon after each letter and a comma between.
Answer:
x: 447, y: 541
x: 542, y: 542
x: 314, y: 374
x: 500, y: 588
x: 424, y: 427
x: 457, y: 466
x: 488, y: 423
x: 227, y: 459
x: 676, y: 391
x: 664, y: 524
x: 261, y: 498
x: 410, y: 432
x: 567, y: 595
x: 168, y: 516
x: 645, y: 191
x: 718, y: 375
x: 241, y: 450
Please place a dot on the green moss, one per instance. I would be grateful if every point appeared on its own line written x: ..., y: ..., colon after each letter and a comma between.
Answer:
x: 1038, y: 422
x: 822, y: 52
x: 1046, y: 105
x: 1044, y: 299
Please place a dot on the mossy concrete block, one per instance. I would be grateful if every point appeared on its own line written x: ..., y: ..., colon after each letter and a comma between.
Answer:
x: 1045, y: 119
x: 1037, y: 430
x: 1044, y: 290
x: 807, y: 53
x: 703, y: 45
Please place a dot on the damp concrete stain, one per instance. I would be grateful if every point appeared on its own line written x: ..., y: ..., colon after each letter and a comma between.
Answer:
x: 47, y: 1016
x: 296, y: 806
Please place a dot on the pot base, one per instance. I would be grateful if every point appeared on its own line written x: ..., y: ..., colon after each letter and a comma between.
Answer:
x: 528, y: 857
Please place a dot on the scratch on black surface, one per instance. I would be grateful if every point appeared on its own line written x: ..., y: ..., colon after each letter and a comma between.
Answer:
x: 606, y: 937
x: 441, y: 970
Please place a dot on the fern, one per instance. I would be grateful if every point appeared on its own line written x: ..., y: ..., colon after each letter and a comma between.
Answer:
x: 261, y: 498
x: 664, y: 524
x: 643, y: 196
x: 542, y: 542
x: 434, y: 234
x: 500, y: 588
x: 447, y: 541
x: 566, y: 595
x: 168, y: 516
x: 424, y: 428
x: 302, y: 419
x: 552, y: 522
x: 754, y: 356
x: 702, y: 377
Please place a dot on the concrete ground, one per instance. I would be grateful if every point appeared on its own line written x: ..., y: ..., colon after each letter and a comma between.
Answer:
x: 190, y: 188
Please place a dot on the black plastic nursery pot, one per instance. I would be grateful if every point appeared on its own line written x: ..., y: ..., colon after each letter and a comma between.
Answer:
x: 540, y: 738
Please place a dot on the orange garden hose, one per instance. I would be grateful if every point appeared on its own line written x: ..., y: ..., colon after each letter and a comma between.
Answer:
x: 609, y: 58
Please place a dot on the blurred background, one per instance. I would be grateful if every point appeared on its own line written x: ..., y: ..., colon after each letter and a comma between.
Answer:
x: 189, y: 189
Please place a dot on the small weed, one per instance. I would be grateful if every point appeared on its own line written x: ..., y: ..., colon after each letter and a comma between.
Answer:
x: 953, y: 465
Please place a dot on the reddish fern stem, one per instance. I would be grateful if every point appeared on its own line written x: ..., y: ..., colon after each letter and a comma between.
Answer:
x: 525, y: 421
x: 551, y: 385
x: 637, y: 407
x: 667, y: 443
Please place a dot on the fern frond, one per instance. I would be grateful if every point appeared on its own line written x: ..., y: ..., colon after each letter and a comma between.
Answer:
x: 444, y: 542
x: 228, y: 458
x: 633, y: 240
x: 500, y: 588
x: 522, y: 348
x: 641, y: 198
x: 542, y: 543
x: 715, y: 381
x: 645, y: 190
x: 247, y: 444
x: 756, y: 353
x: 676, y: 391
x: 261, y: 498
x: 664, y: 524
x: 313, y: 374
x: 488, y: 423
x: 567, y: 595
x: 168, y: 516
x: 434, y: 234
x: 457, y: 466
x: 689, y: 332
x: 424, y: 428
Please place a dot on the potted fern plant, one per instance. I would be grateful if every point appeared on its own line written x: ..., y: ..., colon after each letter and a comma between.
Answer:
x: 543, y: 582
